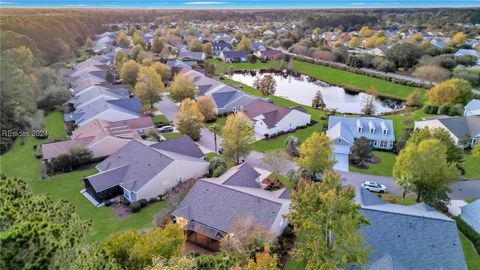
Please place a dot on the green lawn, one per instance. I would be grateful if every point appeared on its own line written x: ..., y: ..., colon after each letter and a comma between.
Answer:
x: 171, y: 135
x: 384, y: 168
x: 352, y: 80
x: 408, y: 200
x: 472, y: 258
x: 295, y: 265
x: 20, y: 162
x: 160, y: 118
x: 220, y: 121
x: 472, y: 167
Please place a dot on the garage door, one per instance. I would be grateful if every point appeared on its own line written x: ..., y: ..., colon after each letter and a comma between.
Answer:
x: 342, y: 162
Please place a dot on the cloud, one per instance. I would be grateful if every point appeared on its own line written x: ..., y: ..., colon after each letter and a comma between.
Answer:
x: 359, y: 3
x: 8, y: 3
x: 205, y: 3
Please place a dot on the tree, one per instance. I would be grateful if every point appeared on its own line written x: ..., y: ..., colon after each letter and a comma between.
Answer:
x: 267, y: 85
x: 136, y: 251
x: 122, y: 39
x: 246, y: 237
x: 406, y: 183
x: 476, y: 150
x: 368, y: 107
x: 316, y: 154
x: 182, y: 87
x: 454, y: 154
x: 326, y: 221
x: 404, y: 54
x: 149, y: 86
x: 53, y: 97
x: 163, y: 70
x: 317, y: 102
x: 365, y: 32
x: 215, y: 129
x: 217, y: 166
x: 30, y: 236
x: 291, y: 145
x: 136, y: 50
x: 414, y: 99
x: 245, y: 44
x: 190, y: 119
x: 158, y: 44
x: 459, y: 38
x: 138, y: 39
x: 361, y: 151
x: 263, y: 261
x: 129, y: 72
x: 275, y: 161
x: 450, y: 92
x: 207, y: 48
x: 196, y: 46
x: 426, y: 163
x: 120, y: 58
x: 207, y: 107
x: 238, y: 135
x: 354, y: 43
x: 431, y: 73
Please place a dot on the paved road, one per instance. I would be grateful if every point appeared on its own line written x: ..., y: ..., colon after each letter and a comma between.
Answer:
x: 460, y: 189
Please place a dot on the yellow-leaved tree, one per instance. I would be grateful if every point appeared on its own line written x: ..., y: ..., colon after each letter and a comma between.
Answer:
x: 316, y: 154
x: 190, y: 119
x: 452, y: 91
x: 149, y: 86
x: 238, y: 135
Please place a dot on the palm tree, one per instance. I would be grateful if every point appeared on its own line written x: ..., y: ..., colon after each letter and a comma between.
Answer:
x: 405, y: 182
x: 215, y: 128
x: 291, y: 145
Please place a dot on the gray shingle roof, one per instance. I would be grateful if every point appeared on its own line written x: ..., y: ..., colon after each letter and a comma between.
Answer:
x: 246, y: 176
x: 349, y: 127
x: 409, y: 237
x: 218, y: 206
x: 471, y: 215
x: 271, y: 112
x: 235, y: 54
x: 183, y: 145
x: 461, y: 125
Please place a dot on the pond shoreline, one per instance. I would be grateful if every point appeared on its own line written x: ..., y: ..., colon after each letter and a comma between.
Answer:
x: 347, y: 88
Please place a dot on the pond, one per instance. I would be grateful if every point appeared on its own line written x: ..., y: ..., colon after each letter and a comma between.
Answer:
x: 301, y: 89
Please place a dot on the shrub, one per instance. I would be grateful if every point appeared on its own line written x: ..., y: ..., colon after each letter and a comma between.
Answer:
x: 470, y: 233
x: 135, y: 207
x: 389, y: 198
x: 143, y: 202
x: 217, y: 166
x: 430, y: 109
x: 219, y: 262
x: 444, y: 109
x: 456, y: 109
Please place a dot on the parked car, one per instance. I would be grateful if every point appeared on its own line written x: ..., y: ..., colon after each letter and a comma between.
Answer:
x: 165, y: 129
x: 374, y: 187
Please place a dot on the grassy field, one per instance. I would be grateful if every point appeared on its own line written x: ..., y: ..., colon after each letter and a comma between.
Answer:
x: 160, y: 118
x: 472, y: 258
x: 171, y: 135
x: 20, y: 162
x: 352, y: 80
x: 384, y: 168
x: 295, y: 265
x: 472, y: 167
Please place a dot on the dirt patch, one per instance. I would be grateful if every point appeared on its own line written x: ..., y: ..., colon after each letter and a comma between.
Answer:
x: 121, y: 211
x: 374, y: 160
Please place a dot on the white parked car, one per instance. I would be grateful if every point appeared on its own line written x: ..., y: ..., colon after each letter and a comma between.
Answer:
x: 374, y: 187
x: 165, y: 129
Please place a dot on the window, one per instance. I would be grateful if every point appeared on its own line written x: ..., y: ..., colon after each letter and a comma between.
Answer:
x: 372, y: 130
x: 385, y: 131
x: 359, y: 130
x: 234, y: 109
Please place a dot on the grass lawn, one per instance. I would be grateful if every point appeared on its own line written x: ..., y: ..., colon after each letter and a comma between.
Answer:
x: 383, y: 168
x: 472, y: 258
x: 472, y: 167
x: 352, y: 80
x: 408, y: 200
x: 160, y: 118
x: 171, y: 135
x: 20, y: 162
x: 220, y: 121
x: 398, y: 121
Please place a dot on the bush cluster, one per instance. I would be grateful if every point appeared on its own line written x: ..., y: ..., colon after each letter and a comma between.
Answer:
x: 445, y: 109
x: 469, y: 232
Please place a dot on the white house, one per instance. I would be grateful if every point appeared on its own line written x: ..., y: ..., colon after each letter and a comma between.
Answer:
x: 459, y: 127
x: 269, y: 118
x: 144, y: 170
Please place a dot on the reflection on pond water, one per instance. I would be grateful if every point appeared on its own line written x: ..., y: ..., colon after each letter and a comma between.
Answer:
x: 302, y: 89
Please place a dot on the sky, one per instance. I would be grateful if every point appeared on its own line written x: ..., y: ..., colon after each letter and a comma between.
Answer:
x: 238, y: 4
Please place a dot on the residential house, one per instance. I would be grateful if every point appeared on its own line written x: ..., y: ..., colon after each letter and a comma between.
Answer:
x: 464, y: 130
x: 234, y: 56
x: 415, y: 237
x: 258, y: 46
x: 343, y: 131
x: 96, y: 92
x: 270, y: 119
x: 471, y: 215
x: 472, y: 108
x: 221, y: 46
x: 225, y: 38
x: 212, y: 208
x: 268, y: 54
x: 197, y: 56
x: 466, y: 52
x: 104, y: 109
x: 101, y: 137
x: 144, y: 170
x: 104, y: 42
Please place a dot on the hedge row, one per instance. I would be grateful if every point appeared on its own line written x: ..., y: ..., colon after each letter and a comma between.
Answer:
x: 469, y: 232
